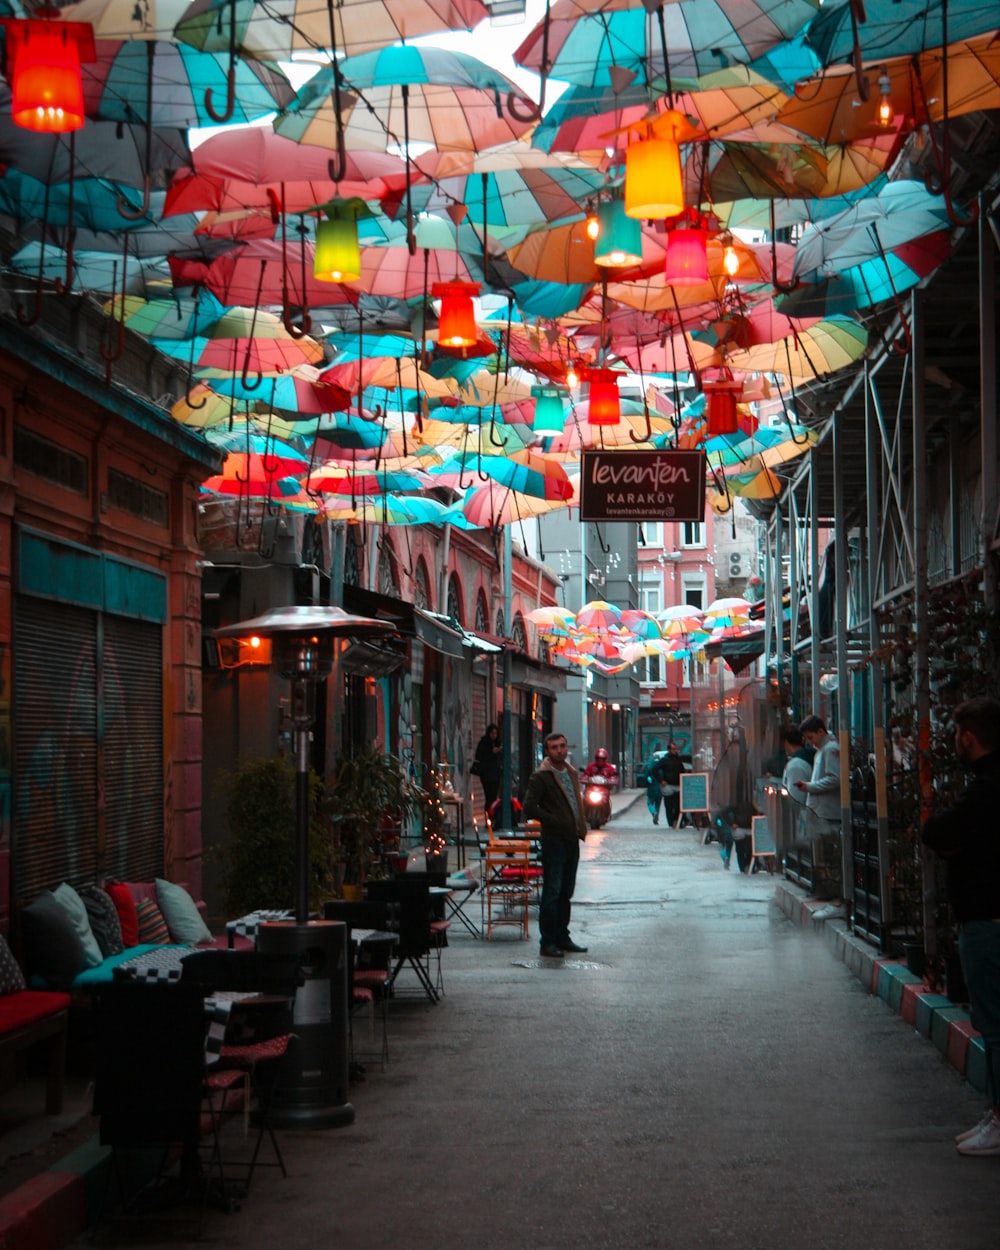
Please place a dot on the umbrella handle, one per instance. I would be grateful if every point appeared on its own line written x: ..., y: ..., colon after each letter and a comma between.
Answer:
x: 123, y: 206
x: 783, y: 288
x: 227, y: 112
x: 515, y: 100
x: 190, y: 379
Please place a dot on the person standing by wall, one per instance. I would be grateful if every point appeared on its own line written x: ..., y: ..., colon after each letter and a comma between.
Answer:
x: 822, y: 792
x: 965, y: 836
x: 553, y: 798
x: 488, y: 765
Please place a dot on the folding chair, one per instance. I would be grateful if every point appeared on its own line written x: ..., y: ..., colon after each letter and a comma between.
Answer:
x: 507, y: 885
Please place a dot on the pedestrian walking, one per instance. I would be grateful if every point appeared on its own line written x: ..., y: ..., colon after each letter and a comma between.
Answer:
x: 553, y: 798
x: 487, y: 765
x: 664, y: 785
x: 965, y: 835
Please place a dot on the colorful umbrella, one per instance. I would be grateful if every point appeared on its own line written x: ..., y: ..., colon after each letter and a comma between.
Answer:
x: 583, y: 41
x: 386, y: 509
x: 812, y: 352
x: 598, y: 615
x: 894, y: 28
x: 494, y: 504
x: 724, y: 612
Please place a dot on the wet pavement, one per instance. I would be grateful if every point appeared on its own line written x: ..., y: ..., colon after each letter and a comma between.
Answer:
x: 707, y: 1075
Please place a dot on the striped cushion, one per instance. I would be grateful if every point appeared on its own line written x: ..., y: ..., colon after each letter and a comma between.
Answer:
x: 152, y: 926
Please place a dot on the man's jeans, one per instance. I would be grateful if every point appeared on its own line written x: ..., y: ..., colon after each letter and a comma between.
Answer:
x: 560, y: 858
x: 979, y: 947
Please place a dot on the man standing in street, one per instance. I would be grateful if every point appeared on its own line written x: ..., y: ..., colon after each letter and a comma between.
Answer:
x: 554, y: 799
x: 665, y: 775
x: 822, y: 792
x: 965, y: 836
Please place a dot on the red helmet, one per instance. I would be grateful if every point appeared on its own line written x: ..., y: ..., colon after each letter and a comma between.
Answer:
x: 600, y: 755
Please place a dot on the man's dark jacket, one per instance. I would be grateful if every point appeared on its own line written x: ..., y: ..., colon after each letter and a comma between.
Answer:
x: 967, y: 837
x: 547, y: 802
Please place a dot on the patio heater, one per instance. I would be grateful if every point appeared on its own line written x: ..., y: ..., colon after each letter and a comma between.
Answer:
x: 312, y: 1085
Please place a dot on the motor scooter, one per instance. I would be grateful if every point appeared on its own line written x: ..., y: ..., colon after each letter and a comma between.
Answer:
x: 597, y: 800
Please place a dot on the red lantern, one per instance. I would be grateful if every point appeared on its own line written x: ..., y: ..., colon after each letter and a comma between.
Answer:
x: 457, y: 319
x: 721, y: 411
x: 43, y: 66
x: 687, y: 257
x: 604, y: 407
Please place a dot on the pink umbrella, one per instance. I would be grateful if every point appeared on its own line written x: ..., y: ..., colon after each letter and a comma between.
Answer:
x: 598, y: 616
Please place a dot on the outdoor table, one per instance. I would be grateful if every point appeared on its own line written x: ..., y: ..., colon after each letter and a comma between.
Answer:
x: 248, y: 925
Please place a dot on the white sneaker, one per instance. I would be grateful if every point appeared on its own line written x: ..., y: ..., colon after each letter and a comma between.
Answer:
x: 984, y: 1141
x: 971, y: 1132
x: 831, y: 912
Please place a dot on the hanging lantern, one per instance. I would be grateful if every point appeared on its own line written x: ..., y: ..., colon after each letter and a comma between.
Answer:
x: 604, y: 407
x: 619, y: 242
x: 337, y: 256
x: 885, y: 110
x: 654, y: 184
x: 550, y: 409
x: 43, y: 67
x: 721, y: 413
x: 457, y: 318
x: 687, y: 257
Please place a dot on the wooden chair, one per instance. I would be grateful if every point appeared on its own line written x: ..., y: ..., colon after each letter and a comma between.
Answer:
x: 507, y: 885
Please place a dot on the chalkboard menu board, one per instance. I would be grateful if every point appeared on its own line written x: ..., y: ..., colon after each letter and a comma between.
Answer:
x: 694, y: 792
x: 762, y: 839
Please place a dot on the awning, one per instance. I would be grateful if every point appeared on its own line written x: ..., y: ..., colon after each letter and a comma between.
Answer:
x: 411, y: 621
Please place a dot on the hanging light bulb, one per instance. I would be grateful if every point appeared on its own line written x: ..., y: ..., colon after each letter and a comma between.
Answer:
x: 687, y: 256
x: 730, y: 260
x: 620, y: 240
x: 550, y: 409
x: 457, y: 318
x: 654, y: 183
x: 885, y: 110
x: 43, y: 67
x: 604, y: 405
x: 593, y: 225
x: 337, y: 256
x: 572, y: 377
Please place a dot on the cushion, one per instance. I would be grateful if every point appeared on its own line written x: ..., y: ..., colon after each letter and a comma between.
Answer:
x: 105, y: 972
x: 152, y: 926
x: 67, y: 897
x: 181, y: 913
x: 54, y: 950
x: 11, y: 976
x: 30, y: 1007
x: 104, y: 922
x: 121, y: 896
x: 141, y: 889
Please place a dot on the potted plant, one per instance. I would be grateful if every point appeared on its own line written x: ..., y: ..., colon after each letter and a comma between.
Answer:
x: 258, y: 860
x: 365, y: 790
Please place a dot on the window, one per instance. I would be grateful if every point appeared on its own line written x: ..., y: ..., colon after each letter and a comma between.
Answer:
x: 693, y: 534
x: 652, y: 532
x: 650, y: 670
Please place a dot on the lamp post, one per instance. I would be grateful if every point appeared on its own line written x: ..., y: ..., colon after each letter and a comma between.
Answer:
x: 311, y: 1088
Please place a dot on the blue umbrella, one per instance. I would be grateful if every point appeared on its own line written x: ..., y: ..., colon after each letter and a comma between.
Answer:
x: 895, y: 28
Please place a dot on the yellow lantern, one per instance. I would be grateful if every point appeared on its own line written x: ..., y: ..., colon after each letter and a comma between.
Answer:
x: 654, y: 183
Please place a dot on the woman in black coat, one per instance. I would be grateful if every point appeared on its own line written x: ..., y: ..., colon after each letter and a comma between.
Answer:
x: 489, y: 759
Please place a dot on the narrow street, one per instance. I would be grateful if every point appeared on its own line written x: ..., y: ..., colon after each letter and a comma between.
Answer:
x: 708, y: 1075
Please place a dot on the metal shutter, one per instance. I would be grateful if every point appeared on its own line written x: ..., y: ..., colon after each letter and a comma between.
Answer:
x: 132, y: 709
x: 55, y: 817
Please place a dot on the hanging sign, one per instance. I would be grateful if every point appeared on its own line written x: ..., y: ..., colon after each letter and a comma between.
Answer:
x: 622, y: 485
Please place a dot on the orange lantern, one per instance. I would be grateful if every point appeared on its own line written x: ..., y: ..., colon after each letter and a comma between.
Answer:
x: 457, y: 319
x: 654, y: 182
x: 43, y: 67
x: 604, y: 407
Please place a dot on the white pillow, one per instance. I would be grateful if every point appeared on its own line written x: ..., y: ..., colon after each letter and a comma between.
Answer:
x: 181, y: 914
x: 76, y: 909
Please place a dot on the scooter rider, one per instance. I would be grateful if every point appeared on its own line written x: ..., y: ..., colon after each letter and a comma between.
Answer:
x: 600, y: 766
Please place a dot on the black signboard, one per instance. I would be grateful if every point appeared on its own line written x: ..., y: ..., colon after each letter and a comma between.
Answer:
x: 623, y: 485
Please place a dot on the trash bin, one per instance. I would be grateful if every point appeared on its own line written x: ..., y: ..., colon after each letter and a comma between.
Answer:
x: 311, y: 1090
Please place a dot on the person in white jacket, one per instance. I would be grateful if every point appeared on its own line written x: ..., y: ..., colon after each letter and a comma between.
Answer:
x: 822, y: 792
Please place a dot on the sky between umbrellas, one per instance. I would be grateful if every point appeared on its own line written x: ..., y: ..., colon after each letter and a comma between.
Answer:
x: 775, y: 113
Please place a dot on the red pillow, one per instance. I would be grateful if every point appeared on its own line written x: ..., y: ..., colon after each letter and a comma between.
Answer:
x: 125, y: 907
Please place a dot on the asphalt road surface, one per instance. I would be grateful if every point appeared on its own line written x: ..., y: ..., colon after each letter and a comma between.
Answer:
x: 708, y: 1076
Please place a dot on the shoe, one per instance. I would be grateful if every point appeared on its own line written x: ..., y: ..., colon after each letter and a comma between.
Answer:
x: 984, y: 1141
x: 569, y: 947
x: 832, y: 911
x: 656, y: 820
x: 971, y: 1132
x: 549, y: 950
